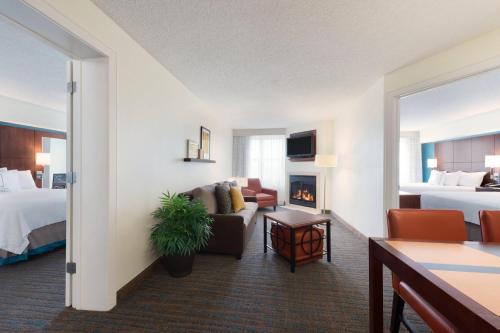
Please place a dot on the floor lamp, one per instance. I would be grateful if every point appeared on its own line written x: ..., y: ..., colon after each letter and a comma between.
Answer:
x: 325, y: 161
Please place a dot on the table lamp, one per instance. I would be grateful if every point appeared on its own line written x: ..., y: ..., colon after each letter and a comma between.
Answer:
x: 432, y: 163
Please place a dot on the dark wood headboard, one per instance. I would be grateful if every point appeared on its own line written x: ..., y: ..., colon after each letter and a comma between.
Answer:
x: 467, y: 154
x: 19, y: 144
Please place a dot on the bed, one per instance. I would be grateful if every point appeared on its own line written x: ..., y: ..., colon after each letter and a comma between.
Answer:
x: 419, y: 188
x: 470, y: 203
x: 31, y: 222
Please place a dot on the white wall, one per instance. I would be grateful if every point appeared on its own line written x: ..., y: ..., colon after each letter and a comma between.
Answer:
x: 24, y: 113
x: 480, y: 124
x: 324, y: 145
x: 156, y: 114
x: 358, y: 177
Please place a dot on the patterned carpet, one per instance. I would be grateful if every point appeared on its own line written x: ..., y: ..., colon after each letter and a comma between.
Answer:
x: 255, y: 294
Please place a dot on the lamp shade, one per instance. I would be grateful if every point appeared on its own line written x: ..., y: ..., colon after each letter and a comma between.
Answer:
x: 492, y: 161
x: 432, y: 163
x: 42, y: 159
x: 325, y: 161
x: 241, y: 181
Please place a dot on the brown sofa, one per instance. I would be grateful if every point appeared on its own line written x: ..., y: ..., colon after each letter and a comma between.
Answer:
x: 231, y: 232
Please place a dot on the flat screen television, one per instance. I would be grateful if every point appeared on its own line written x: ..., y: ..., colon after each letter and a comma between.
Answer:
x: 300, y: 146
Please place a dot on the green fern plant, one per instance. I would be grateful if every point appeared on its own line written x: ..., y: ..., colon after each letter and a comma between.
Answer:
x: 183, y: 227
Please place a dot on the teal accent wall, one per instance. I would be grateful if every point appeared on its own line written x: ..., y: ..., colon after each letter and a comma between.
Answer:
x: 427, y: 152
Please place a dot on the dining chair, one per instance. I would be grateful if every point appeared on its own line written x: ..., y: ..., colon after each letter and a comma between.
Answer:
x: 423, y: 225
x: 490, y: 225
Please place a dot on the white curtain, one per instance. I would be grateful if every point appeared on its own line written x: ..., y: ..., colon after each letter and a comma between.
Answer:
x: 263, y: 157
x: 410, y: 158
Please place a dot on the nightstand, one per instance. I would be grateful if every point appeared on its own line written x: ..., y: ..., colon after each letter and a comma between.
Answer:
x: 487, y: 189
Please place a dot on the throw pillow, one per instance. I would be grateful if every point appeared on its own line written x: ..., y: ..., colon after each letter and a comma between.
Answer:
x: 224, y: 204
x: 206, y: 195
x: 237, y: 199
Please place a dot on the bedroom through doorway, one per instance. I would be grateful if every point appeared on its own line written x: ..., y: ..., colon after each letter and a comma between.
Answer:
x: 35, y: 112
x: 449, y: 147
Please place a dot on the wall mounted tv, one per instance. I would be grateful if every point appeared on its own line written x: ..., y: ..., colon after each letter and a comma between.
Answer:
x: 301, y: 145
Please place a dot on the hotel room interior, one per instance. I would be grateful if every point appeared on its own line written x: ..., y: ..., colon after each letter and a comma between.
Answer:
x: 249, y: 166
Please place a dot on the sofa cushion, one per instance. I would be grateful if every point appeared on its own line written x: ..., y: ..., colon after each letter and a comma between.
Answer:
x: 206, y: 195
x: 247, y: 213
x: 224, y: 204
x: 237, y: 199
x: 264, y: 197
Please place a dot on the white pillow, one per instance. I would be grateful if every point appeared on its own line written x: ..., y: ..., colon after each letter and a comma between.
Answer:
x: 472, y: 179
x: 4, y: 186
x: 13, y: 181
x: 451, y: 178
x: 436, y: 177
x: 26, y: 181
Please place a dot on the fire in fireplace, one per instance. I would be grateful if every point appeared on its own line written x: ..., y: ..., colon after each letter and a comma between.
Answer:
x: 303, y: 190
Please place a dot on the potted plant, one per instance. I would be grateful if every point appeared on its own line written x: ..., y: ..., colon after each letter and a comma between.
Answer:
x: 183, y: 228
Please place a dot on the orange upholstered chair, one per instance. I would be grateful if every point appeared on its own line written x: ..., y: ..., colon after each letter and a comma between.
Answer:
x: 426, y: 225
x: 266, y: 197
x: 490, y: 225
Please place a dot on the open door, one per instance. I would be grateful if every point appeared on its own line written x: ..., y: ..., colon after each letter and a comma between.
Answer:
x: 73, y: 70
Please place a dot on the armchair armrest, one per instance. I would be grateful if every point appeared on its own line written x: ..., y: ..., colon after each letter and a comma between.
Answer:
x: 248, y: 192
x: 272, y: 192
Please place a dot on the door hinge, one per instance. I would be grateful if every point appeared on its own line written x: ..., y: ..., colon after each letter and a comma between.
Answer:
x: 70, y: 177
x: 71, y: 87
x: 70, y: 267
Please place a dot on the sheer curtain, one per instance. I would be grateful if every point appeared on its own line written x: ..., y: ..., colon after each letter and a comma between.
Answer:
x: 410, y: 158
x: 263, y: 157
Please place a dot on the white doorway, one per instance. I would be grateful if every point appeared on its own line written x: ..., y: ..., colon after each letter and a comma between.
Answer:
x: 90, y: 151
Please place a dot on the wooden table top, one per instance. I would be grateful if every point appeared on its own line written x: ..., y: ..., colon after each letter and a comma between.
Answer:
x: 296, y: 218
x: 472, y: 268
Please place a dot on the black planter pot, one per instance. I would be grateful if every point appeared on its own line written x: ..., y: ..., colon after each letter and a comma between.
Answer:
x: 178, y: 265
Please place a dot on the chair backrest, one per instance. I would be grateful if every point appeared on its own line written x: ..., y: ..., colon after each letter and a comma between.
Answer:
x: 430, y: 225
x: 254, y: 185
x: 490, y: 225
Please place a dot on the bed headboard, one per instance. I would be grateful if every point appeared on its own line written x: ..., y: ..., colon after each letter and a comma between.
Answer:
x: 19, y: 144
x: 467, y: 154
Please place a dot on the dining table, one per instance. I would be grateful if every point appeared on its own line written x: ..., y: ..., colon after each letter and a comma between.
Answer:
x: 459, y: 280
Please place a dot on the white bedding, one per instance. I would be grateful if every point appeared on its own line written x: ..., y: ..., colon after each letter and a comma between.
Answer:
x: 24, y: 211
x: 468, y: 202
x: 419, y: 188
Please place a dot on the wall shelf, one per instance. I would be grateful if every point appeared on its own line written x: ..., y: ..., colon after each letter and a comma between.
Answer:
x: 198, y: 160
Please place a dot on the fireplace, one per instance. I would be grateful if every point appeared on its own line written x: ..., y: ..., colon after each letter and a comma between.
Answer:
x: 303, y: 190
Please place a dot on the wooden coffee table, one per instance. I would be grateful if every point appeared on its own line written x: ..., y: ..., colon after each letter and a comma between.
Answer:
x: 294, y: 219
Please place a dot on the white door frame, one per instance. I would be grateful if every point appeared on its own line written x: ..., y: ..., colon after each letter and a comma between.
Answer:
x: 392, y: 123
x: 84, y: 290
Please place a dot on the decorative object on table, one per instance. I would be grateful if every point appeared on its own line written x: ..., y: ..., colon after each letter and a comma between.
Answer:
x: 183, y: 228
x: 432, y: 163
x: 492, y: 162
x: 205, y: 142
x: 200, y: 153
x: 59, y: 181
x: 325, y: 161
x: 192, y: 149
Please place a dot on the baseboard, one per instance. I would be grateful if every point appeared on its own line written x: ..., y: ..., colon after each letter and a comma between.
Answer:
x: 134, y: 284
x: 355, y: 231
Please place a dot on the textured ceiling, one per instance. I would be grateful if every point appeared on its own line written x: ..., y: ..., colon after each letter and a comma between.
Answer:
x: 267, y: 63
x: 456, y: 100
x: 30, y: 70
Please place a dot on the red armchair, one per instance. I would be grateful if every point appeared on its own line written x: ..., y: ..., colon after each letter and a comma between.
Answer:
x: 265, y: 197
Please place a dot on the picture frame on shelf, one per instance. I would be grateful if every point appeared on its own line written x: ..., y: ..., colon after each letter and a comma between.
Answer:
x: 205, y: 142
x: 192, y: 149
